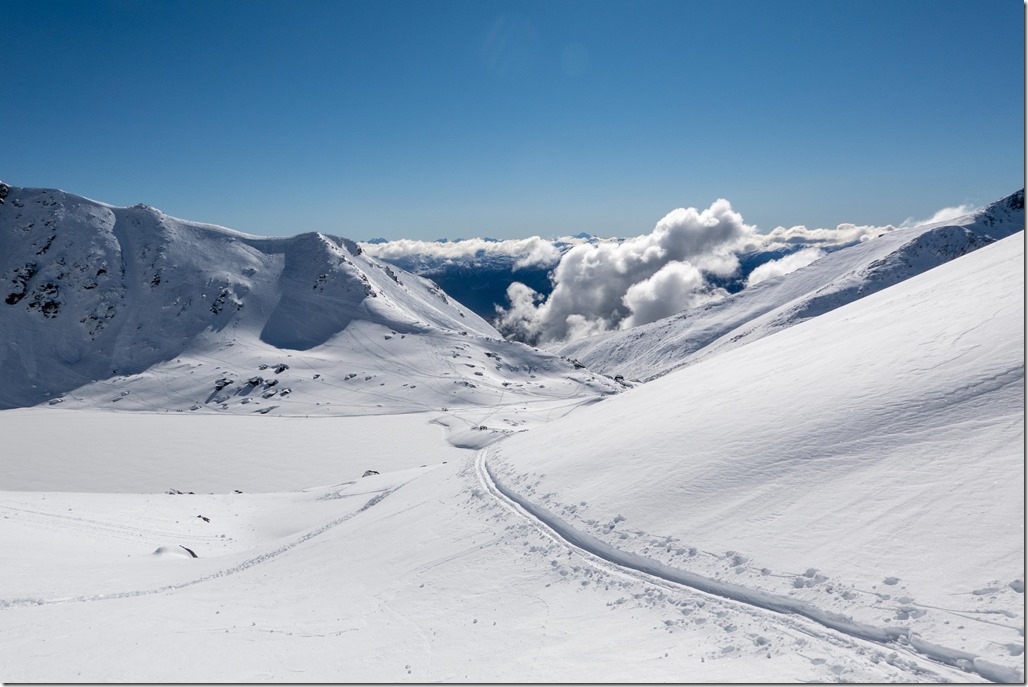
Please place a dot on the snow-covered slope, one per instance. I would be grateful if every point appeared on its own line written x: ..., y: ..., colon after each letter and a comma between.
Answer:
x: 651, y: 350
x: 841, y: 501
x: 868, y: 462
x: 103, y: 305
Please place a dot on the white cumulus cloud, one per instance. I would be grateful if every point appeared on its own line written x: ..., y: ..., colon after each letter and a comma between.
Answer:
x: 781, y: 238
x: 531, y: 252
x: 612, y: 285
x: 675, y: 287
x: 790, y: 263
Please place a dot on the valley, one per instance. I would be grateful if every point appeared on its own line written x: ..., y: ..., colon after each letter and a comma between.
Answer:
x: 821, y: 478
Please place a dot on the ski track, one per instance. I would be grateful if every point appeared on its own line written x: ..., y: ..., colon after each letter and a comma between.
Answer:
x: 225, y: 572
x: 603, y: 555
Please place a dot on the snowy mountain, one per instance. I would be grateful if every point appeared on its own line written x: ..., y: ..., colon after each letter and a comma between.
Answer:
x: 840, y: 277
x: 863, y: 469
x: 106, y: 305
x: 838, y: 501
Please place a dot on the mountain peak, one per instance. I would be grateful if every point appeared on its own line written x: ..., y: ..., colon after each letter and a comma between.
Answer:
x: 1015, y: 201
x: 1002, y: 213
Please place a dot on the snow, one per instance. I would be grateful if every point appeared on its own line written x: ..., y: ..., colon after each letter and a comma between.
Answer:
x: 879, y: 444
x: 837, y: 500
x: 649, y: 351
x: 128, y: 306
x: 90, y: 450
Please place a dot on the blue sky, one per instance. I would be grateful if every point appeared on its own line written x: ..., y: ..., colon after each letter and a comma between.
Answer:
x: 427, y: 119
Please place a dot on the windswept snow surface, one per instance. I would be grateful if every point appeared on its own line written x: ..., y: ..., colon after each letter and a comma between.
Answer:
x: 651, y: 350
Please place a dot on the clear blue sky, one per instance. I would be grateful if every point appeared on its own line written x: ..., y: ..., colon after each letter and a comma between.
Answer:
x: 431, y: 118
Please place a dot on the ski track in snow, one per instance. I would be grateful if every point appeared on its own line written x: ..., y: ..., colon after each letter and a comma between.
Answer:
x: 224, y: 572
x: 611, y: 559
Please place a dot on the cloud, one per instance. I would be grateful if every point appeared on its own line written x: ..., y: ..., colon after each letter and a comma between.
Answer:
x: 790, y: 263
x: 781, y: 238
x: 675, y: 287
x: 615, y: 285
x: 536, y: 252
x: 516, y: 321
x: 609, y: 284
x: 944, y: 215
x: 530, y: 252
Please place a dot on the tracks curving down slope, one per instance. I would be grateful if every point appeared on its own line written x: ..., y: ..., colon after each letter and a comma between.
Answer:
x: 612, y: 559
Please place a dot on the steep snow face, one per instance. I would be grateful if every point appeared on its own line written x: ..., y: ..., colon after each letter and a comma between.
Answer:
x: 654, y: 349
x: 869, y: 463
x: 105, y: 302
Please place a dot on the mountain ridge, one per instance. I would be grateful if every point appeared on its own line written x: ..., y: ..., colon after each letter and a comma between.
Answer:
x: 91, y: 292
